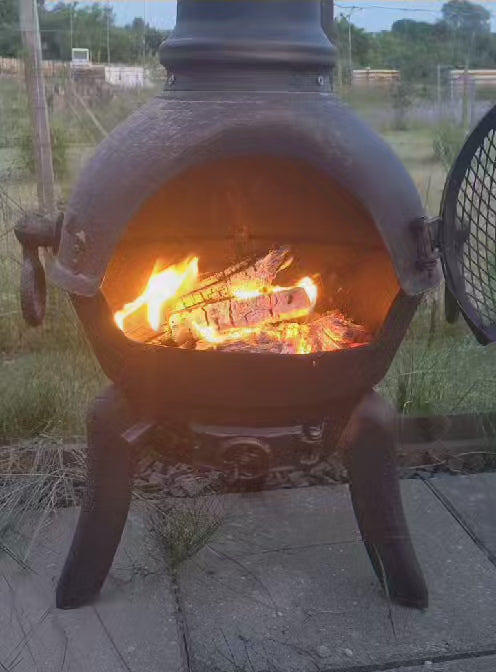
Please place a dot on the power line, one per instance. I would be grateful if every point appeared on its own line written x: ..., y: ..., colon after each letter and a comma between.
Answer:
x: 404, y: 9
x: 396, y: 9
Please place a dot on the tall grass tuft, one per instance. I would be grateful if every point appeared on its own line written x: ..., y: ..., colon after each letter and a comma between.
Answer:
x: 35, y: 479
x: 441, y: 376
x: 184, y: 526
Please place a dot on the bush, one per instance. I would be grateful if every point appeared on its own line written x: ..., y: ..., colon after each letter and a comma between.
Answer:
x: 401, y: 100
x: 447, y: 142
x: 58, y: 137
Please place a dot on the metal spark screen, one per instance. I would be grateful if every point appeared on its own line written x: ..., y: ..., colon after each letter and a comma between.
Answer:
x: 468, y: 229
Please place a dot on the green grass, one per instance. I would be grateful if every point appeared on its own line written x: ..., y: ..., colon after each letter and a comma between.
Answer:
x: 47, y: 393
x: 449, y: 375
x: 414, y: 148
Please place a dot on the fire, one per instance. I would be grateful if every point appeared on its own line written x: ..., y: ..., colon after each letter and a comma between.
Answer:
x: 237, y: 309
x: 161, y: 288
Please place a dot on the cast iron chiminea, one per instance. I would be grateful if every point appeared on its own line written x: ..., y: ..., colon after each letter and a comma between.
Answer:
x: 246, y: 149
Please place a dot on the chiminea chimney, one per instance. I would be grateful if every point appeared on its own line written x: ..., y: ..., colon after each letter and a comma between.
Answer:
x: 251, y: 33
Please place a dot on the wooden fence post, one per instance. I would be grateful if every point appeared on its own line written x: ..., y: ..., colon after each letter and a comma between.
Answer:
x: 30, y: 31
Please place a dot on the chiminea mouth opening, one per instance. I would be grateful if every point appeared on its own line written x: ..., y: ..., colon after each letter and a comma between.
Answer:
x: 256, y: 254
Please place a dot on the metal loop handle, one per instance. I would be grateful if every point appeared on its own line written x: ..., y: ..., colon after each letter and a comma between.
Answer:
x: 34, y: 231
x: 33, y: 287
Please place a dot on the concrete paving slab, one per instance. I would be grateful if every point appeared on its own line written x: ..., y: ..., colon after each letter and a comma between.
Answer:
x: 286, y: 586
x: 131, y: 627
x: 472, y: 499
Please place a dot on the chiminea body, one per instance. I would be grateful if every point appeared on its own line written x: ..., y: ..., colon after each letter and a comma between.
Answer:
x: 246, y: 148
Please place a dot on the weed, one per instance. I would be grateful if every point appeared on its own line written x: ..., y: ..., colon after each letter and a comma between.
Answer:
x: 401, y: 100
x: 184, y: 526
x: 445, y: 375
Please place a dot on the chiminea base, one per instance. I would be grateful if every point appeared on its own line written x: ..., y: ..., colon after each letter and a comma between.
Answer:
x: 368, y: 445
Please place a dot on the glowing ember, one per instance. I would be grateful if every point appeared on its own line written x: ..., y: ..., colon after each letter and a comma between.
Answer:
x: 237, y: 309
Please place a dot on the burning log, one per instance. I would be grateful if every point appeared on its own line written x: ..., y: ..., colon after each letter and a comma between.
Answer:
x: 236, y: 309
x: 215, y: 294
x: 212, y: 320
x: 331, y: 331
x: 253, y: 274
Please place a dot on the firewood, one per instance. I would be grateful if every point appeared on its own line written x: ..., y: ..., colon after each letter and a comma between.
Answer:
x: 255, y: 273
x: 333, y: 331
x: 239, y: 313
x: 328, y: 332
x: 137, y: 327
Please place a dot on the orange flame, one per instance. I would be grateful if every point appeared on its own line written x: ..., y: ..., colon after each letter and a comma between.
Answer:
x: 163, y: 286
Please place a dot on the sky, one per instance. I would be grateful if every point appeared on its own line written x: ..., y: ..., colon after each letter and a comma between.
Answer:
x: 372, y: 15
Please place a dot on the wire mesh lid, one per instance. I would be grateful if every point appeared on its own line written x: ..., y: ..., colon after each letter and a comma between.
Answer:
x: 468, y: 230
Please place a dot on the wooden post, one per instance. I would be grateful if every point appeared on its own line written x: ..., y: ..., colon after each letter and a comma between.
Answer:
x: 471, y: 116
x: 465, y: 107
x: 30, y: 31
x: 439, y: 94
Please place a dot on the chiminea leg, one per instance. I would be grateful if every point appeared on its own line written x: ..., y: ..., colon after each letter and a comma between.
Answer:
x: 368, y: 442
x: 105, y: 504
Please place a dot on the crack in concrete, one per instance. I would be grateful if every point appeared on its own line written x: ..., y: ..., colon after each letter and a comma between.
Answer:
x: 460, y: 520
x: 182, y: 626
x: 414, y: 662
x: 114, y: 646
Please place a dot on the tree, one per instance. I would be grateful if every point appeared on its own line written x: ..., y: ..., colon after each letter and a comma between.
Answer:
x: 153, y: 39
x: 465, y: 17
x: 345, y: 33
x: 468, y: 26
x: 413, y: 30
x: 10, y: 37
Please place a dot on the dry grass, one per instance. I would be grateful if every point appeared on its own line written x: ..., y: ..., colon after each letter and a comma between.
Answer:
x: 184, y: 526
x: 36, y: 478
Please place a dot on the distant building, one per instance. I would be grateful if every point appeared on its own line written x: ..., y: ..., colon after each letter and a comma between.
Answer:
x: 83, y: 70
x: 80, y: 57
x: 373, y: 76
x: 129, y: 76
x: 479, y: 77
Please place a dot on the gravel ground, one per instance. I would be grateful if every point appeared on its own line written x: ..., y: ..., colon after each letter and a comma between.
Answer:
x: 183, y: 480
